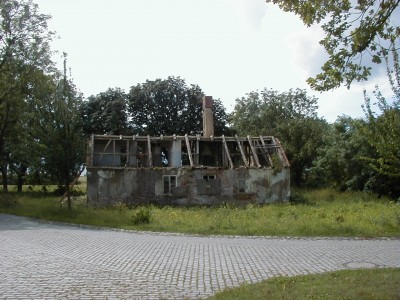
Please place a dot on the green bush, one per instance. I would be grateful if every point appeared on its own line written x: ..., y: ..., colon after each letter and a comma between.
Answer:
x: 297, y: 198
x: 143, y: 215
x: 8, y: 200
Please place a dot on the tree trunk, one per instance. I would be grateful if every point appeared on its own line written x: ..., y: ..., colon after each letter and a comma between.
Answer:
x: 69, y: 202
x: 21, y: 177
x: 4, y: 177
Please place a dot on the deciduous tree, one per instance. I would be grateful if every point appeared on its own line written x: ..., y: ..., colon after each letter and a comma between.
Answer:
x: 383, y: 129
x: 357, y: 33
x: 24, y: 49
x: 290, y: 116
x: 106, y: 113
x: 169, y: 106
x: 59, y: 131
x: 341, y: 161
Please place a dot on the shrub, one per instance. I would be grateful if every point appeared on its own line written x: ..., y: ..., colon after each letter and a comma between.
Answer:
x: 143, y: 215
x: 297, y: 198
x: 61, y: 189
x: 8, y: 201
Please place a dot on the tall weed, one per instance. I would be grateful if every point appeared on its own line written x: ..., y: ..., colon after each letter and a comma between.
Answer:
x: 324, y: 213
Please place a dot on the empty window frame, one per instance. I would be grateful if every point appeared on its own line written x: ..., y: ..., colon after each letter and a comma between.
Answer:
x: 169, y: 183
x: 209, y: 177
x: 241, y: 185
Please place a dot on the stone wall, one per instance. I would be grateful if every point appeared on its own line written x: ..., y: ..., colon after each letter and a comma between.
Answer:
x: 187, y: 186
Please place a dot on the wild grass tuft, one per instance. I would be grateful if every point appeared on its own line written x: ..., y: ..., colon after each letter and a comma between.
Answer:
x: 142, y: 215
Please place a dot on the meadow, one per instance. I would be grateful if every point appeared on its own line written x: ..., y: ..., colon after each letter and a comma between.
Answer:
x: 349, y: 284
x: 322, y: 212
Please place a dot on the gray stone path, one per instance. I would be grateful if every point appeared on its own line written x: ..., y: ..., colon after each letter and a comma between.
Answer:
x: 44, y: 261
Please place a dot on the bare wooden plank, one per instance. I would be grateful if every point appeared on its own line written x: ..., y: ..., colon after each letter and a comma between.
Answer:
x: 113, y: 152
x: 266, y: 151
x: 149, y: 156
x: 169, y: 138
x: 253, y: 151
x: 128, y: 157
x: 227, y: 152
x: 189, y: 150
x: 92, y: 151
x: 282, y: 153
x: 246, y: 163
x: 104, y: 150
x: 197, y: 154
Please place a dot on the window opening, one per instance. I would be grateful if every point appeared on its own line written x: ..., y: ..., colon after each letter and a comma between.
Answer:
x: 209, y: 177
x: 241, y: 185
x: 123, y: 157
x: 141, y: 155
x: 169, y: 183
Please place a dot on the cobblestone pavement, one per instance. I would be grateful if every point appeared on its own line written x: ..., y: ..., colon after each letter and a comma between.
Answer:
x: 45, y: 261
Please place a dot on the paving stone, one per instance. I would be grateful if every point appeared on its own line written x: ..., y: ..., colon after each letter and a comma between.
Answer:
x: 42, y: 260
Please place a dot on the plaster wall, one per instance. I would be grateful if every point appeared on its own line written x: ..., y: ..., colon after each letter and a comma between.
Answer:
x: 188, y: 186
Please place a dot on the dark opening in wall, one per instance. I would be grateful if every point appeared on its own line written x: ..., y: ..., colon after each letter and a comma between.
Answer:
x: 209, y: 177
x: 210, y: 154
x: 141, y: 155
x: 169, y: 183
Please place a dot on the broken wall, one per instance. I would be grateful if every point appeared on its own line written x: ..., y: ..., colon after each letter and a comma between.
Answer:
x: 187, y: 186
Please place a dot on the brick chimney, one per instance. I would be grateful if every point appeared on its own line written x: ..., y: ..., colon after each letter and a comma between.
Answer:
x: 208, y: 117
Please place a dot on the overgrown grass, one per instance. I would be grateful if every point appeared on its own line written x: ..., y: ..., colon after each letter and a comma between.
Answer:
x: 318, y: 213
x: 354, y: 284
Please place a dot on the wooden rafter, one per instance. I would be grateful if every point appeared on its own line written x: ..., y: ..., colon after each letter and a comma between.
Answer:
x: 266, y: 151
x: 227, y: 152
x: 246, y: 163
x: 253, y: 151
x: 104, y: 150
x: 149, y: 156
x: 189, y: 150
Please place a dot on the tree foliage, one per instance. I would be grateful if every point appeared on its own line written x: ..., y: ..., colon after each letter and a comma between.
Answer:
x: 264, y: 111
x: 291, y: 116
x: 341, y: 161
x: 59, y: 132
x: 106, y: 113
x: 24, y: 50
x: 383, y: 130
x: 357, y: 33
x: 169, y: 106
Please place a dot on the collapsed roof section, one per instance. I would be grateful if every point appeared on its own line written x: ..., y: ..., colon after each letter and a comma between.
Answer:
x: 186, y: 151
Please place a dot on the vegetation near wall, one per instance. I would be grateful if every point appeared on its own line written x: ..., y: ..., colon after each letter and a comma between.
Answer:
x: 320, y: 212
x: 45, y: 121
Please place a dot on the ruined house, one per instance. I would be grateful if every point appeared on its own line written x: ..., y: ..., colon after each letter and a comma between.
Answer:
x: 187, y: 170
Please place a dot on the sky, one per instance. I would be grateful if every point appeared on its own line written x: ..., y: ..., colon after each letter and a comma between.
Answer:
x: 228, y: 47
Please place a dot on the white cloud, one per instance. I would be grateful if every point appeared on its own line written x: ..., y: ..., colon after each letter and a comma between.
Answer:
x: 307, y: 54
x: 343, y: 101
x: 251, y: 12
x: 227, y: 47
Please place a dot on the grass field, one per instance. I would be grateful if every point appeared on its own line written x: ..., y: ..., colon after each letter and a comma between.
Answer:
x: 355, y: 284
x: 323, y: 212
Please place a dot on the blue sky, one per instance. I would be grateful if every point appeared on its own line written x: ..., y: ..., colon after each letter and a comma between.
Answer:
x: 227, y: 47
